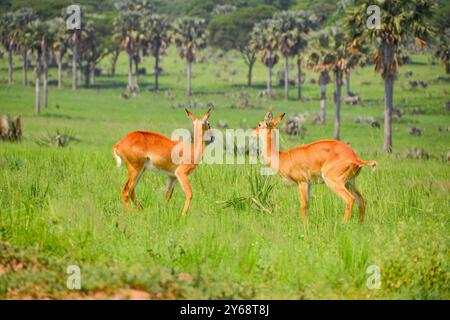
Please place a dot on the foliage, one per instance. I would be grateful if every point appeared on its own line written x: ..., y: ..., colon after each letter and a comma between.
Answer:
x: 401, y: 19
x: 189, y: 36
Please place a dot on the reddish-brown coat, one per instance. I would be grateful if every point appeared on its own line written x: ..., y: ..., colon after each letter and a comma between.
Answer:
x: 332, y: 161
x: 141, y: 150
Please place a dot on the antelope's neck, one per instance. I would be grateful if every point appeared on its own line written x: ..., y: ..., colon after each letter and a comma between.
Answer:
x: 198, y: 147
x: 271, y: 154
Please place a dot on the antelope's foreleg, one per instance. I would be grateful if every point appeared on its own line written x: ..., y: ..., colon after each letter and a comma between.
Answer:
x: 184, y: 182
x: 303, y: 191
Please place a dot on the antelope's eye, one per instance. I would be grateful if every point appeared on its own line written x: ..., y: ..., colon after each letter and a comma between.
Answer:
x: 259, y: 124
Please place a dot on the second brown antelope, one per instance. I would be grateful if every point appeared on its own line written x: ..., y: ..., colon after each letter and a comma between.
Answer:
x: 146, y: 150
x: 331, y: 161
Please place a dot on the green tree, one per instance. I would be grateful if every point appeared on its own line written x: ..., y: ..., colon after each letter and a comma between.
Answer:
x: 23, y: 18
x: 60, y: 44
x: 232, y: 32
x: 355, y: 55
x: 139, y: 9
x: 264, y: 39
x: 35, y: 33
x: 321, y: 60
x: 189, y: 36
x: 157, y: 37
x: 93, y: 48
x: 9, y: 37
x: 401, y: 20
x: 334, y: 45
x: 306, y: 22
x: 291, y: 29
x: 47, y: 39
x: 443, y: 49
x: 441, y: 23
x: 127, y: 31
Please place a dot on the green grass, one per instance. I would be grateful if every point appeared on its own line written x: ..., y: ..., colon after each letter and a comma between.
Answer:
x: 64, y: 204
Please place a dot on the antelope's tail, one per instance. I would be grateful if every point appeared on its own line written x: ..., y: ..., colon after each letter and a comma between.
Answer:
x: 116, y: 157
x: 372, y: 163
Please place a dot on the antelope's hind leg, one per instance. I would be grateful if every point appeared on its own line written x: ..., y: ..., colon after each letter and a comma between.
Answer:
x: 170, y: 185
x: 133, y: 191
x: 134, y: 175
x: 339, y: 188
x: 359, y: 199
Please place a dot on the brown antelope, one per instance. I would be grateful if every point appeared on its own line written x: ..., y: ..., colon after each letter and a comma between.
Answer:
x: 332, y: 161
x: 146, y: 150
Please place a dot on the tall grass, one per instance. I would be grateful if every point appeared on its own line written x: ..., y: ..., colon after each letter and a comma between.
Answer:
x: 243, y: 237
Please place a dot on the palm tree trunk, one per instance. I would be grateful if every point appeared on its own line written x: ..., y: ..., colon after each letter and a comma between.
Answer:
x: 10, y: 66
x: 87, y: 75
x: 130, y: 71
x: 250, y: 74
x: 347, y: 83
x: 447, y: 67
x: 337, y: 123
x: 37, y: 105
x: 189, y: 79
x: 156, y: 86
x: 59, y: 62
x: 269, y: 80
x: 74, y: 66
x: 388, y: 106
x: 115, y: 57
x: 25, y: 68
x: 299, y: 79
x: 323, y: 97
x: 93, y: 73
x: 45, y: 67
x: 136, y: 69
x: 286, y: 78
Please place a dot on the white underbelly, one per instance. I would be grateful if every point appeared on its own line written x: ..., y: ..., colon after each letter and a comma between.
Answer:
x: 150, y: 167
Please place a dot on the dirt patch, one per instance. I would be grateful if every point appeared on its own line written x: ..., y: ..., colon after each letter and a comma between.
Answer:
x: 121, y: 294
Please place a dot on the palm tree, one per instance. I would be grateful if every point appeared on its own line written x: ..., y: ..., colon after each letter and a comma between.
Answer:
x: 264, y: 38
x: 443, y: 49
x: 74, y: 40
x: 305, y: 23
x: 60, y: 44
x: 8, y: 35
x: 189, y: 36
x: 35, y: 32
x: 127, y: 33
x: 290, y: 31
x: 356, y: 56
x: 94, y: 48
x: 338, y: 50
x: 157, y: 38
x: 23, y: 17
x: 47, y: 39
x: 322, y: 61
x: 401, y: 20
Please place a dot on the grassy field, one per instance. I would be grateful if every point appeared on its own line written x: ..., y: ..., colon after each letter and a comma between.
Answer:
x: 63, y: 206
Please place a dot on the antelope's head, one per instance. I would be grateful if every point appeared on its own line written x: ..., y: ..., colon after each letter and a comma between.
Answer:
x: 201, y: 125
x: 264, y: 126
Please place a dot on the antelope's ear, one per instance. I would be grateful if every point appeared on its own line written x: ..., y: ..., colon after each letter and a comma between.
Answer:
x: 190, y: 115
x: 268, y: 117
x: 206, y: 115
x: 278, y: 119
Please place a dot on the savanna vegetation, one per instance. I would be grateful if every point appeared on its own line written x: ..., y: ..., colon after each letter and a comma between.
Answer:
x: 135, y: 65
